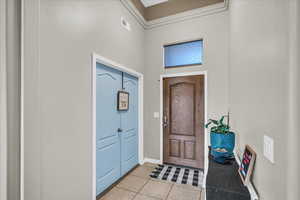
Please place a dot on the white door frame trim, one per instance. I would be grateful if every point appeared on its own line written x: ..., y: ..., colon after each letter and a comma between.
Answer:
x: 205, y: 115
x: 99, y: 59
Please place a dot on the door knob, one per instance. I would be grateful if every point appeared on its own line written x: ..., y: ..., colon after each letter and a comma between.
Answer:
x: 120, y: 130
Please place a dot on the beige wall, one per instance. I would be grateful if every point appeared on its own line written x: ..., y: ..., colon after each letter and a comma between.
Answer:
x: 60, y: 36
x: 298, y: 83
x: 3, y: 100
x: 58, y: 88
x: 58, y: 148
x: 13, y: 97
x: 10, y: 99
x: 31, y: 110
x: 214, y: 31
x: 260, y: 90
x: 293, y: 175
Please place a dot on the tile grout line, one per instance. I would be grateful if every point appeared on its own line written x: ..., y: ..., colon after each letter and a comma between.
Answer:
x: 148, y: 179
x: 169, y: 191
x: 138, y: 192
x: 168, y: 182
x: 200, y: 195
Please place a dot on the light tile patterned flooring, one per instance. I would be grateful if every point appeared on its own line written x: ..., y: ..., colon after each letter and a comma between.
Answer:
x: 139, y: 186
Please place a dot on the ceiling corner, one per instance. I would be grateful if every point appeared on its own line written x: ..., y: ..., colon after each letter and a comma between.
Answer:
x: 148, y: 3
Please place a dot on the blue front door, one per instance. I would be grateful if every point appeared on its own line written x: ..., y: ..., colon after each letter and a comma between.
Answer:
x: 129, y: 123
x: 116, y: 152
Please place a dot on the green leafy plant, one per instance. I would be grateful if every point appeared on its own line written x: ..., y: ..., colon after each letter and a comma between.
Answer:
x: 218, y: 126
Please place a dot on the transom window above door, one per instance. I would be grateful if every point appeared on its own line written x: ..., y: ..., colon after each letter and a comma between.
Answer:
x: 183, y: 54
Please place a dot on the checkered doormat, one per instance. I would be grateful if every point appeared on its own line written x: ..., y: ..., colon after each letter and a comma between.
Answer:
x: 180, y: 175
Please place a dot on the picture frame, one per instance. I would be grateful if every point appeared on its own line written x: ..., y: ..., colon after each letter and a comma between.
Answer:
x: 123, y: 101
x: 247, y: 165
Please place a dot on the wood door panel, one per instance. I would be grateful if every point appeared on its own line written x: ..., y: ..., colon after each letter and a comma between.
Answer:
x: 174, y: 146
x: 189, y: 150
x: 184, y: 121
x: 181, y: 137
x: 182, y: 108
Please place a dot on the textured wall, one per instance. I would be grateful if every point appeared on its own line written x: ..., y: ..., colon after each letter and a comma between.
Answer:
x: 246, y: 54
x: 293, y: 175
x: 3, y: 100
x: 214, y: 31
x: 260, y: 87
x: 58, y: 143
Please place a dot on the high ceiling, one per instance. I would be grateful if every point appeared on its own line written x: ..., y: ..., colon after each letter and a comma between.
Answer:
x: 154, y: 9
x: 148, y: 3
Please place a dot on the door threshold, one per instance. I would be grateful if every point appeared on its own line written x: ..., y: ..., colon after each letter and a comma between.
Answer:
x: 184, y: 166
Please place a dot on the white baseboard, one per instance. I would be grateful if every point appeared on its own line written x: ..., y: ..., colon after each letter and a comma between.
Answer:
x: 150, y: 160
x: 250, y: 187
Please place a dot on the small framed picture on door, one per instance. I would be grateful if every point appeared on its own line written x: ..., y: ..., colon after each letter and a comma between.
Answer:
x: 123, y: 100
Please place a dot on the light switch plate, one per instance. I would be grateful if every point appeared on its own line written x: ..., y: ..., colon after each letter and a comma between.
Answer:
x: 156, y: 114
x: 269, y: 148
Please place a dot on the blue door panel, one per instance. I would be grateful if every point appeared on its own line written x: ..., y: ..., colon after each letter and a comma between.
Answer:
x: 117, y: 153
x: 129, y: 154
x: 108, y: 83
x: 110, y: 161
x: 129, y: 122
x: 107, y: 172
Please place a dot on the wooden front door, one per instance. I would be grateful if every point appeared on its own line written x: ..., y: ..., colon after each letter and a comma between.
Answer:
x: 183, y: 121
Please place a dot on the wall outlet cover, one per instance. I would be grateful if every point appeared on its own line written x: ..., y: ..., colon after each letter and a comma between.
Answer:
x: 156, y: 114
x: 269, y: 148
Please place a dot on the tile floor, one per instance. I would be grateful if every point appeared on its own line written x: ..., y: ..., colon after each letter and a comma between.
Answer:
x: 139, y: 186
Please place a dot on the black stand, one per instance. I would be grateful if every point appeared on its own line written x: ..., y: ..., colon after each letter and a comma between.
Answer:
x: 224, y: 183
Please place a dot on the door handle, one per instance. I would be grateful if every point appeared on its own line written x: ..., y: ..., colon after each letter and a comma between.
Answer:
x: 165, y: 122
x: 120, y: 130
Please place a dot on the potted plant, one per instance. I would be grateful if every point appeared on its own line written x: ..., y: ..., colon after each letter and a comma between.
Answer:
x: 221, y: 138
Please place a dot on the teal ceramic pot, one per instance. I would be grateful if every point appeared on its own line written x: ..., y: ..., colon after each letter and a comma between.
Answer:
x: 222, y: 141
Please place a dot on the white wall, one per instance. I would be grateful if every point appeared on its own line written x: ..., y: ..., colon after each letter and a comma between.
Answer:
x: 260, y: 90
x: 58, y: 143
x: 214, y: 31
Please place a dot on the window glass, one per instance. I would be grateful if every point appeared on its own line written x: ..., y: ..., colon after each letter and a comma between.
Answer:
x: 187, y: 53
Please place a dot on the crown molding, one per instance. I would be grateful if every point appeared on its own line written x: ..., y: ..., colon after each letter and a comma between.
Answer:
x: 188, y: 15
x: 133, y: 10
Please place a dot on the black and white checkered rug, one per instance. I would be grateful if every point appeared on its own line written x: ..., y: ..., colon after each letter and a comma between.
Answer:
x: 180, y: 175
